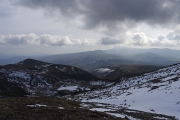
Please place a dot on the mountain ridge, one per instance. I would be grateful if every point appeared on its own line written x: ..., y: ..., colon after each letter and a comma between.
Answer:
x: 92, y: 60
x: 155, y: 91
x: 34, y: 76
x: 166, y: 52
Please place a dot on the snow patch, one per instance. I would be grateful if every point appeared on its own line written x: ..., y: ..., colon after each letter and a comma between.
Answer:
x: 37, y: 105
x: 103, y: 70
x: 60, y: 108
x: 69, y: 88
x: 20, y: 74
x: 116, y: 114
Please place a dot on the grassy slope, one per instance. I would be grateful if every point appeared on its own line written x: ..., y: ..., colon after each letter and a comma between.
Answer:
x: 17, y: 109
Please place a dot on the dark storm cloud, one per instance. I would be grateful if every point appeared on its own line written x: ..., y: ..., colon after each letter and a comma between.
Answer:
x: 66, y: 7
x: 110, y: 13
x: 5, y: 10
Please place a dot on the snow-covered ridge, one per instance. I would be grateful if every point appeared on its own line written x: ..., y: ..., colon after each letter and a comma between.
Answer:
x: 156, y: 91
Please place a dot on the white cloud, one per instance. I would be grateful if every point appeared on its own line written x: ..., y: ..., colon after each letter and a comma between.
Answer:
x: 46, y: 39
x: 140, y: 39
x: 33, y: 39
x: 172, y: 39
x: 50, y: 40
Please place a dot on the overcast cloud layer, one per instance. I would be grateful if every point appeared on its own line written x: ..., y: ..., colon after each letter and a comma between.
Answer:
x: 112, y: 13
x: 142, y: 23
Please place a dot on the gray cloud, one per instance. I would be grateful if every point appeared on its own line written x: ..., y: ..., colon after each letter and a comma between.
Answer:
x: 111, y: 41
x: 65, y: 7
x: 5, y: 10
x: 18, y: 39
x: 161, y: 37
x: 140, y: 39
x: 50, y: 40
x: 109, y: 14
x: 175, y: 35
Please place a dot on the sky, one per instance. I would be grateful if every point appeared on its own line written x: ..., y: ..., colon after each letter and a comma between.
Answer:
x: 66, y: 26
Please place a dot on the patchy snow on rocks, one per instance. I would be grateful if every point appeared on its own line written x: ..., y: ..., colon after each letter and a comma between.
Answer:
x: 22, y: 75
x: 46, y: 65
x: 64, y: 69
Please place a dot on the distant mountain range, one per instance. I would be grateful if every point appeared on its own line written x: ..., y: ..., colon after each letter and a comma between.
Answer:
x: 152, y: 59
x: 92, y: 60
x: 171, y: 53
x: 12, y: 59
x: 88, y: 60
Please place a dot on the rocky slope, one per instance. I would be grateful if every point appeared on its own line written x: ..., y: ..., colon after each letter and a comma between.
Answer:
x: 155, y: 92
x: 46, y: 79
